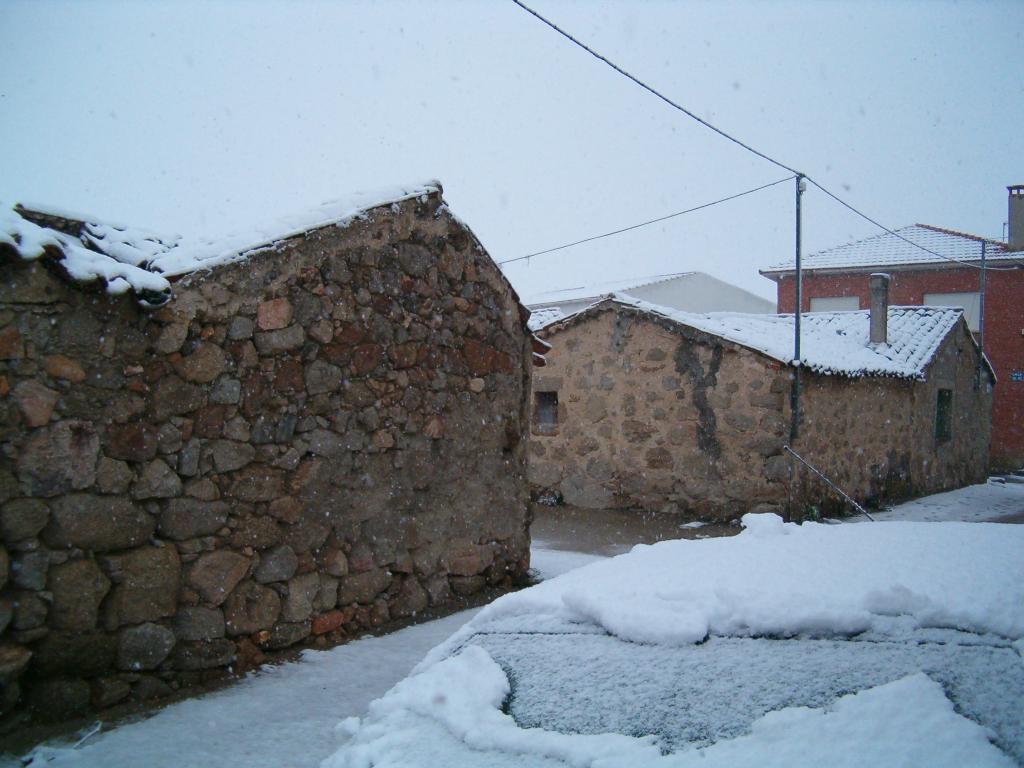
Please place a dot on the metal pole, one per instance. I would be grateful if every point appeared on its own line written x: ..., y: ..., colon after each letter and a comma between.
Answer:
x: 794, y: 395
x: 981, y: 307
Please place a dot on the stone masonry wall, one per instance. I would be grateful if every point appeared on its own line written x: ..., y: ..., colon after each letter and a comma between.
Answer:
x: 660, y: 417
x: 316, y: 440
x: 876, y: 437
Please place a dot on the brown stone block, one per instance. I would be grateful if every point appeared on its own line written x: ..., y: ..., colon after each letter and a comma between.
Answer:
x: 251, y: 607
x: 61, y: 367
x: 287, y: 509
x: 136, y: 441
x: 204, y: 655
x: 146, y: 583
x: 35, y: 401
x: 97, y: 523
x: 215, y: 574
x: 274, y: 314
x: 329, y: 622
x: 205, y: 363
x: 11, y: 346
x: 257, y: 532
x: 209, y: 421
x: 290, y: 376
x: 58, y: 459
x: 366, y: 357
x: 258, y: 483
x: 78, y: 587
x: 173, y: 397
x: 283, y: 340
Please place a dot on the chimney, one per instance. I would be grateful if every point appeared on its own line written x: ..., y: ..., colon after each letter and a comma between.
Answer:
x: 1015, y: 217
x: 879, y: 282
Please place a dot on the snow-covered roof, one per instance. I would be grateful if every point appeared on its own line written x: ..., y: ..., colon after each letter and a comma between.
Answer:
x: 127, y: 258
x: 831, y: 343
x: 544, y: 316
x: 886, y: 250
x: 596, y: 290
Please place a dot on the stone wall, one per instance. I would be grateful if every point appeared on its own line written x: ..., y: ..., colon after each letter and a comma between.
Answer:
x: 876, y: 437
x: 313, y: 441
x: 657, y: 416
x: 660, y: 418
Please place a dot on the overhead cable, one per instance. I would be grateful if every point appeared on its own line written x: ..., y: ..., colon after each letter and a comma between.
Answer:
x: 646, y: 223
x: 731, y: 138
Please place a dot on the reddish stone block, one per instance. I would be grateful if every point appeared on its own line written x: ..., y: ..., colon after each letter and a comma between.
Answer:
x: 274, y: 314
x: 136, y: 441
x: 11, y: 347
x: 366, y: 357
x: 61, y: 367
x: 350, y: 333
x: 328, y: 622
x: 290, y: 376
x: 36, y: 402
x: 209, y: 421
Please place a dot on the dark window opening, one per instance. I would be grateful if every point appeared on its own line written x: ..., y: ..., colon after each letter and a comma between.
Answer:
x: 944, y: 415
x: 545, y: 409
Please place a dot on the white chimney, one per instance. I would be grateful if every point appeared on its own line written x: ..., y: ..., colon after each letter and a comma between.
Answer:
x: 879, y: 283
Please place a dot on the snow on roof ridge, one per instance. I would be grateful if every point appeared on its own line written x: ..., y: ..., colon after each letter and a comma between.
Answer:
x: 209, y: 253
x: 885, y: 250
x: 832, y: 343
x: 959, y: 233
x: 129, y: 258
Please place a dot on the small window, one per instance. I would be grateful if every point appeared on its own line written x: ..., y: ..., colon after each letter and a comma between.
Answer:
x: 545, y: 409
x: 834, y: 303
x: 944, y: 415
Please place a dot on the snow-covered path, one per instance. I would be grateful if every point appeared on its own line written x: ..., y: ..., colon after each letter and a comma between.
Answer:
x: 283, y: 716
x: 992, y: 502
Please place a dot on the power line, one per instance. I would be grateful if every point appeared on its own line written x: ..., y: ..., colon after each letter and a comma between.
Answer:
x: 901, y: 237
x: 729, y: 137
x: 645, y: 223
x: 657, y: 93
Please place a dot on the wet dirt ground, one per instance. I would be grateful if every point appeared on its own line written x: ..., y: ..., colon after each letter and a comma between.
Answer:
x: 613, y: 531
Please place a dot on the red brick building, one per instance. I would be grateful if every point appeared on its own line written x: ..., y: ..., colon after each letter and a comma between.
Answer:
x: 837, y: 279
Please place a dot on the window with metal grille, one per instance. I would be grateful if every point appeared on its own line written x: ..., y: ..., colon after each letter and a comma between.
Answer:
x: 545, y: 409
x: 944, y: 415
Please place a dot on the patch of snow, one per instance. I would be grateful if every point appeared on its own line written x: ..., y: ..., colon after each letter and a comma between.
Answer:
x: 784, y: 580
x: 450, y: 714
x: 30, y: 241
x: 192, y: 255
x: 282, y: 715
x: 135, y: 259
x: 985, y: 502
x: 835, y: 343
x: 542, y: 317
x: 694, y: 524
x: 888, y: 250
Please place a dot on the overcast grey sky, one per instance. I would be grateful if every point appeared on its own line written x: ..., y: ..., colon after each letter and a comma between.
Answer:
x: 205, y: 117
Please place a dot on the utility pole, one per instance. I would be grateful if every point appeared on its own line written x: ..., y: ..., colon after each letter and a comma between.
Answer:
x: 981, y: 314
x: 794, y: 394
x: 981, y: 301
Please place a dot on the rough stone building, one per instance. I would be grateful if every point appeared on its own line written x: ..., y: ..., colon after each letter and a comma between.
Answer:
x: 946, y: 274
x: 645, y: 407
x: 211, y: 451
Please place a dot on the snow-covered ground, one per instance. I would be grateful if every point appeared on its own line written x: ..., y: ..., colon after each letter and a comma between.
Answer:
x: 283, y: 716
x: 994, y: 501
x: 902, y: 624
